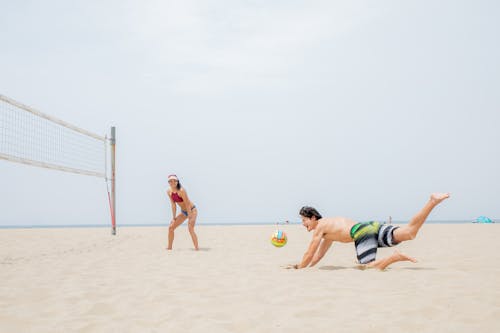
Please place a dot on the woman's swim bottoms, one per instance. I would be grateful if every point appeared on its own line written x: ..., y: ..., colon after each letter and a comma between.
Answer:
x: 185, y: 212
x: 368, y: 236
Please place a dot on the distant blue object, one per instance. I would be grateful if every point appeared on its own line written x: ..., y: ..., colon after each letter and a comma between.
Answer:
x: 482, y: 219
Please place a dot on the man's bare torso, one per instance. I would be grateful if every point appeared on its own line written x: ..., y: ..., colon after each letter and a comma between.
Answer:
x: 336, y: 228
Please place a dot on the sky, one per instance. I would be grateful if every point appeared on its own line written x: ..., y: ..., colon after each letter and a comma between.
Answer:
x: 358, y: 108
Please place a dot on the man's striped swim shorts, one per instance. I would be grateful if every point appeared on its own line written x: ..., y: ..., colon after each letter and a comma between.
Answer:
x: 368, y: 236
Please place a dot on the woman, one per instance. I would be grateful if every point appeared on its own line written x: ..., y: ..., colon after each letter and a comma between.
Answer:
x: 178, y: 196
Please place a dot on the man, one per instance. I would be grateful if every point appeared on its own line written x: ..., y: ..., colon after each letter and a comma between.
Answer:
x: 367, y: 236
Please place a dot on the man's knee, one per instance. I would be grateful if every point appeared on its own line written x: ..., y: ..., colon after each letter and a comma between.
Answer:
x: 410, y: 234
x: 404, y: 234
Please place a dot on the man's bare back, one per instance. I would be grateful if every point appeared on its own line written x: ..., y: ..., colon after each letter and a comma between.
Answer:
x: 336, y: 228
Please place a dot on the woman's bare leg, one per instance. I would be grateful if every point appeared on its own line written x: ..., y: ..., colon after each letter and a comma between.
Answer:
x: 191, y: 223
x: 177, y: 222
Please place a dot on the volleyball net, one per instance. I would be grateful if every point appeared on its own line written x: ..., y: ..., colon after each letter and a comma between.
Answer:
x: 31, y: 137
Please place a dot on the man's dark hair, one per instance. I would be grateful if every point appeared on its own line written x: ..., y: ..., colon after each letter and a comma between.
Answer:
x: 310, y: 212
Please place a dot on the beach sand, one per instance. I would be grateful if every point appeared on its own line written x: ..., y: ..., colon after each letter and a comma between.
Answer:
x: 85, y: 280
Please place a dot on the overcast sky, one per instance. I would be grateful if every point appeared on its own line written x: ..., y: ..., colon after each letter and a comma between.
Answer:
x: 359, y: 108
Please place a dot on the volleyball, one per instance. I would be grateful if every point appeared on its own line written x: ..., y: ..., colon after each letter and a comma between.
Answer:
x: 278, y: 238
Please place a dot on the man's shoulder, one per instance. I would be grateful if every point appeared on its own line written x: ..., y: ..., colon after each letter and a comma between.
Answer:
x: 336, y: 222
x: 331, y: 220
x: 326, y: 223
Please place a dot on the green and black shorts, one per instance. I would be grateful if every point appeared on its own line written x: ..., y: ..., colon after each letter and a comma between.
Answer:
x: 369, y: 236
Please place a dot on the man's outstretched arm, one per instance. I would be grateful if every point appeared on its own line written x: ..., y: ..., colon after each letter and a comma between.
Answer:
x: 323, y: 247
x: 313, y: 247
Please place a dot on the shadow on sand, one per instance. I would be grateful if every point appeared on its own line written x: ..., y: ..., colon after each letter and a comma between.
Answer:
x: 417, y: 268
x: 361, y: 268
x: 201, y: 249
x: 336, y: 268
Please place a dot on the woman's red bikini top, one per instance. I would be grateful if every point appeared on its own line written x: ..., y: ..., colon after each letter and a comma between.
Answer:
x: 176, y: 197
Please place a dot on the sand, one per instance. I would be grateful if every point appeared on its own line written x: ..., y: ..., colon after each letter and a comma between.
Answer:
x: 85, y: 280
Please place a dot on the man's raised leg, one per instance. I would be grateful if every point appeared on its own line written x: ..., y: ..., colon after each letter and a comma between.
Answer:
x: 410, y: 230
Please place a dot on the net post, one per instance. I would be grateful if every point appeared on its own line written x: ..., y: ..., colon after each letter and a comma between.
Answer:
x: 113, y: 181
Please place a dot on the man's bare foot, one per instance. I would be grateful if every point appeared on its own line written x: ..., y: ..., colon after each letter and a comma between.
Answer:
x: 436, y: 198
x: 402, y: 257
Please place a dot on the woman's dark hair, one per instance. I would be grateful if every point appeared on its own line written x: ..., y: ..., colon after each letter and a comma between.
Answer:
x: 310, y: 212
x: 178, y: 185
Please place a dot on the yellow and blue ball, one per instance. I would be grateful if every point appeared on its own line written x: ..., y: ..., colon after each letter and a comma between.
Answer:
x: 279, y: 238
